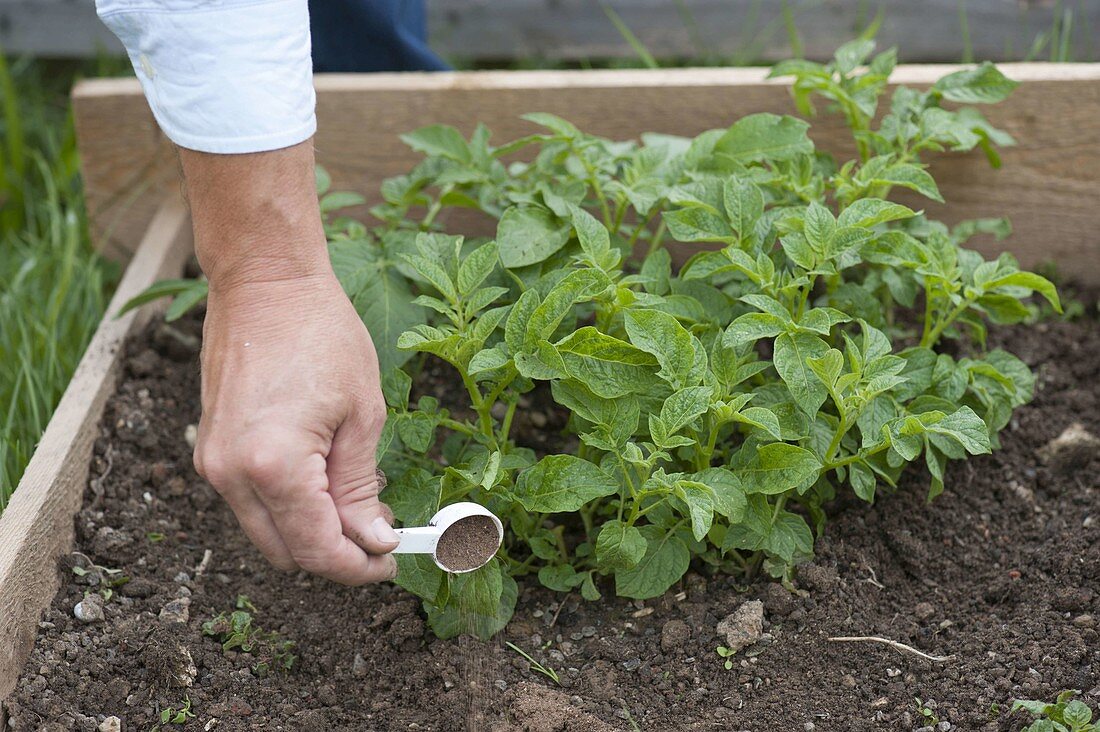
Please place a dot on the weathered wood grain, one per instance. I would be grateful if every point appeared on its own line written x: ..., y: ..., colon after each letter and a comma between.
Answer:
x: 37, y: 526
x: 1049, y: 185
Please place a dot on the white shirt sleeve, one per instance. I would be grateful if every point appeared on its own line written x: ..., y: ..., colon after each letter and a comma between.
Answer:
x: 221, y: 76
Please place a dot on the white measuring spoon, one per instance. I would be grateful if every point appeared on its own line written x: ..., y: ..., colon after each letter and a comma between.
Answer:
x: 425, y: 539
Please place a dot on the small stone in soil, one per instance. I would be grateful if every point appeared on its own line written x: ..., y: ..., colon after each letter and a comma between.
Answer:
x: 110, y: 724
x: 89, y: 610
x: 176, y: 611
x: 744, y: 626
x: 924, y: 611
x: 468, y: 544
x: 674, y: 635
x: 1071, y: 450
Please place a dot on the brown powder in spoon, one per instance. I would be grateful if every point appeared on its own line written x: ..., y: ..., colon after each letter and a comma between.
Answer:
x: 468, y: 544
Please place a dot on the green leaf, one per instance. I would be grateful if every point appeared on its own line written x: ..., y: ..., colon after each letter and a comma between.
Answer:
x: 528, y: 235
x: 744, y: 204
x: 1028, y: 281
x: 560, y: 577
x: 984, y: 84
x: 418, y: 574
x: 417, y: 431
x: 791, y: 359
x: 698, y: 223
x: 819, y: 227
x: 162, y: 288
x: 467, y: 611
x: 340, y: 199
x: 666, y: 559
x: 413, y: 496
x: 680, y: 409
x: 775, y: 468
x: 608, y: 366
x: 964, y: 427
x: 593, y: 236
x: 752, y: 327
x: 868, y: 212
x: 862, y: 479
x: 726, y: 490
x: 1076, y: 714
x: 185, y: 300
x: 441, y: 140
x: 765, y: 136
x: 381, y: 296
x: 561, y: 483
x: 619, y: 546
x: 476, y: 267
x: 761, y: 418
x: 700, y: 505
x: 662, y: 336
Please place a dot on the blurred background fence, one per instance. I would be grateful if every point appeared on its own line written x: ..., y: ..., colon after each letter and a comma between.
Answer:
x: 711, y: 31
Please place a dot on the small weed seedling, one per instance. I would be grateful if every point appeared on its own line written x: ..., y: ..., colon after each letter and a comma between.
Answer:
x: 236, y: 631
x: 106, y: 579
x: 726, y: 654
x: 535, y: 665
x: 172, y: 715
x: 1066, y: 714
x: 927, y: 715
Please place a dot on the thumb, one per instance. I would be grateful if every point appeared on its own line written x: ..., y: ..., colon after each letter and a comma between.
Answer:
x: 355, y: 484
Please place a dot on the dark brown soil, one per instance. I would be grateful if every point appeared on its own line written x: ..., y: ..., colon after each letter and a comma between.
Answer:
x: 468, y: 544
x: 1002, y: 573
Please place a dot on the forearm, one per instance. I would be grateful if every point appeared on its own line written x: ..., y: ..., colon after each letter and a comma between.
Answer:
x: 255, y: 216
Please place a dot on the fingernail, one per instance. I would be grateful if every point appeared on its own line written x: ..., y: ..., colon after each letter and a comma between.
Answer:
x: 384, y: 532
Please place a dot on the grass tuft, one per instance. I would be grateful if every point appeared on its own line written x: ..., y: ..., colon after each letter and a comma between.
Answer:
x: 53, y: 287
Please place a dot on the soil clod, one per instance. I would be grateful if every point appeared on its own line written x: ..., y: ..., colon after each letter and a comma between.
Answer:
x: 468, y: 544
x: 743, y: 626
x: 1072, y: 450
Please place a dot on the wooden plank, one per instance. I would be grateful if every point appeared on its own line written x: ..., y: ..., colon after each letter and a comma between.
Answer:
x: 37, y: 526
x: 128, y: 165
x: 749, y: 31
x: 1049, y: 185
x: 572, y: 30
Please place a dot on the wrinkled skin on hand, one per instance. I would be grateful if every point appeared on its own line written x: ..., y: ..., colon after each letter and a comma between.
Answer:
x: 291, y: 414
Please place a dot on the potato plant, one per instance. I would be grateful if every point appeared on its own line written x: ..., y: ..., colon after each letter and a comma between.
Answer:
x: 715, y: 408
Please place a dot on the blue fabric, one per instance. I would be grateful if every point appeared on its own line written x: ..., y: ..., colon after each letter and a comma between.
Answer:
x: 371, y: 35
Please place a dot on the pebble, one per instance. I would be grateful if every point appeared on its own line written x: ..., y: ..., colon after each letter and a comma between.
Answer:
x: 111, y: 724
x: 1084, y: 621
x: 809, y: 727
x: 500, y: 684
x: 359, y: 666
x: 1071, y: 450
x: 538, y: 419
x: 674, y: 635
x: 176, y: 611
x: 89, y: 610
x: 632, y: 664
x: 924, y: 611
x: 744, y: 626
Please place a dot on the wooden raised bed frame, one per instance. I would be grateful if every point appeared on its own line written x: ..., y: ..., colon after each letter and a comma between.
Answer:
x: 1049, y: 186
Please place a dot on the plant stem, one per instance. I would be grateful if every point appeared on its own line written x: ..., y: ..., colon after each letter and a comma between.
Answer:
x: 455, y: 426
x: 658, y: 235
x: 929, y: 340
x: 506, y: 426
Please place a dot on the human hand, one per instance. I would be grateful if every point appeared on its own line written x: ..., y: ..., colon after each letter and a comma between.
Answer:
x: 292, y: 408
